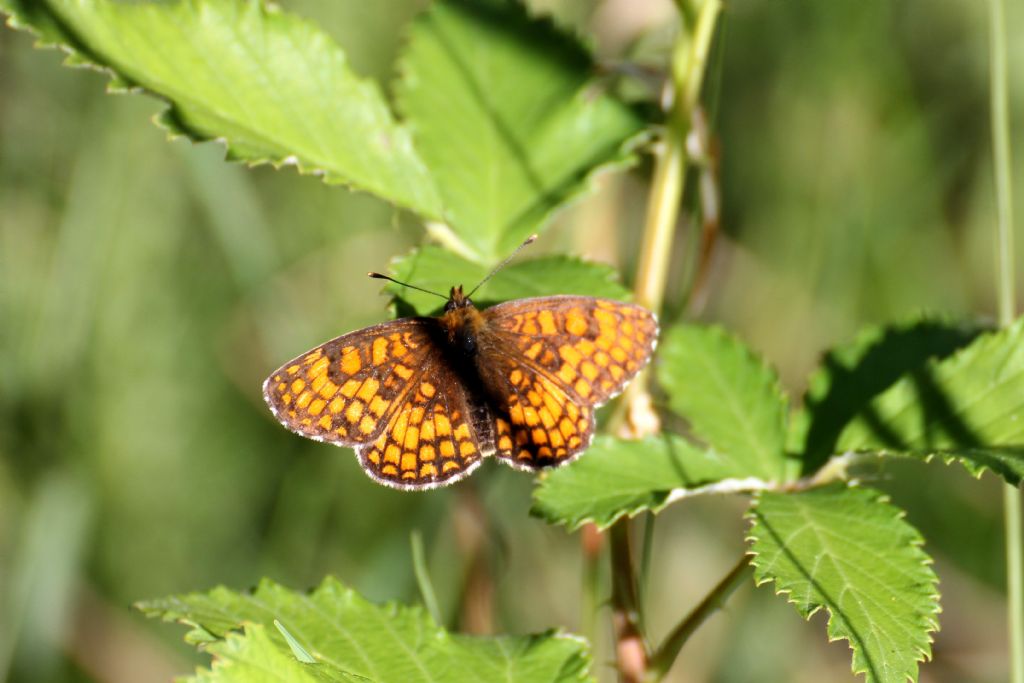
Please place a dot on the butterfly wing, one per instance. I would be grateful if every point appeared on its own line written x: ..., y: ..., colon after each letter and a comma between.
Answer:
x: 388, y: 392
x: 552, y: 360
x: 345, y: 391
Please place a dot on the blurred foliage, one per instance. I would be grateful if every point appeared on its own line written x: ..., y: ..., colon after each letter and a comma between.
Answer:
x: 147, y: 287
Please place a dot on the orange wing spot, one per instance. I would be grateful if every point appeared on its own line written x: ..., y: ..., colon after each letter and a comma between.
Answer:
x: 461, y: 432
x: 626, y: 327
x: 427, y: 430
x: 627, y: 343
x: 544, y: 452
x: 412, y: 438
x: 582, y: 387
x: 534, y: 351
x: 379, y: 354
x: 529, y: 326
x: 286, y: 399
x: 378, y: 405
x: 367, y: 425
x: 297, y: 386
x: 533, y: 397
x: 505, y: 443
x: 319, y: 368
x: 416, y: 415
x: 354, y: 411
x: 427, y: 453
x: 318, y: 383
x: 325, y: 422
x: 570, y: 355
x: 408, y: 461
x: 449, y: 465
x: 631, y: 366
x: 574, y: 442
x: 576, y: 323
x: 428, y: 470
x: 336, y: 406
x: 341, y: 431
x: 589, y: 370
x: 350, y: 361
x: 292, y: 369
x: 618, y: 354
x: 605, y: 318
x: 369, y: 389
x: 374, y: 457
x: 554, y: 406
x: 524, y: 455
x: 556, y: 437
x: 401, y: 425
x: 428, y: 389
x: 566, y: 374
x: 306, y: 422
x: 532, y: 418
x: 442, y: 424
x: 447, y: 449
x: 607, y: 385
x: 515, y: 413
x: 349, y: 388
x: 586, y: 347
x: 317, y: 406
x: 312, y: 356
x: 539, y: 436
x: 398, y: 348
x: 546, y: 418
x: 403, y: 372
x: 567, y: 428
x: 503, y: 427
x: 547, y: 322
x: 391, y: 453
x: 281, y: 386
x: 515, y: 377
x: 466, y: 449
x: 582, y: 424
x: 303, y: 401
x: 390, y: 470
x: 602, y: 359
x: 617, y: 372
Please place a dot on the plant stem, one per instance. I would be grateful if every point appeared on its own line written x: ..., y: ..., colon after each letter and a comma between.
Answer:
x: 663, y: 658
x: 419, y: 567
x: 1005, y: 255
x: 636, y: 417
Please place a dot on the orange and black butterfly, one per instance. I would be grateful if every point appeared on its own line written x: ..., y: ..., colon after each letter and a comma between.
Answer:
x: 423, y: 400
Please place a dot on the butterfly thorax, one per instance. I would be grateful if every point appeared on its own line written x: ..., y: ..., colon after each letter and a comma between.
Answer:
x: 461, y: 322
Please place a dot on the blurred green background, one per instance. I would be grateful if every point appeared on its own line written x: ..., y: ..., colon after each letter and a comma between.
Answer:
x: 147, y: 287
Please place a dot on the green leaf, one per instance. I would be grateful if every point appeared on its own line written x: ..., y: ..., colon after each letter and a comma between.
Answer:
x: 273, y: 87
x: 351, y: 639
x: 732, y: 400
x: 504, y: 109
x: 849, y: 551
x: 615, y: 477
x: 437, y: 269
x: 969, y: 406
x: 851, y: 375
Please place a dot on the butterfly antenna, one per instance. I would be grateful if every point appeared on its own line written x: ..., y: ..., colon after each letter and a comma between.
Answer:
x: 382, y: 276
x: 529, y: 240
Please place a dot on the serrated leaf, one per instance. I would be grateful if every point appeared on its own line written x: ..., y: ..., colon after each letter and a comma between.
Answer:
x: 969, y: 406
x: 615, y: 477
x: 352, y: 639
x: 732, y: 400
x: 270, y: 85
x: 506, y: 114
x: 437, y: 269
x: 849, y: 551
x: 851, y: 375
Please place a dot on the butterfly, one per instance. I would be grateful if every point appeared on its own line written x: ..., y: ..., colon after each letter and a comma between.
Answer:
x: 423, y: 400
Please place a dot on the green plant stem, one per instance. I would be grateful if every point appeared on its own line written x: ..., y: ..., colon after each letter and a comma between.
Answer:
x: 635, y: 417
x: 1005, y: 255
x: 662, y: 659
x: 419, y: 566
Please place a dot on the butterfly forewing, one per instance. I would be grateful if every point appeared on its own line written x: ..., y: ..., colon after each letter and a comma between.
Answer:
x: 557, y: 358
x: 346, y: 390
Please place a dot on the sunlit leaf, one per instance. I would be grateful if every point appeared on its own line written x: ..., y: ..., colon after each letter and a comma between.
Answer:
x: 437, y: 269
x: 505, y: 111
x: 969, y: 406
x: 351, y: 639
x: 273, y: 87
x: 851, y: 375
x: 615, y: 477
x: 730, y: 397
x: 849, y: 551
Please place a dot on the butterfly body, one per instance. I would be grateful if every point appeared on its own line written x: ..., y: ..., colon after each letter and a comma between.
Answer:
x: 423, y: 400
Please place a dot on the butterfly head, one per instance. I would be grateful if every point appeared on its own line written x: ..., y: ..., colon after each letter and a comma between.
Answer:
x: 457, y: 300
